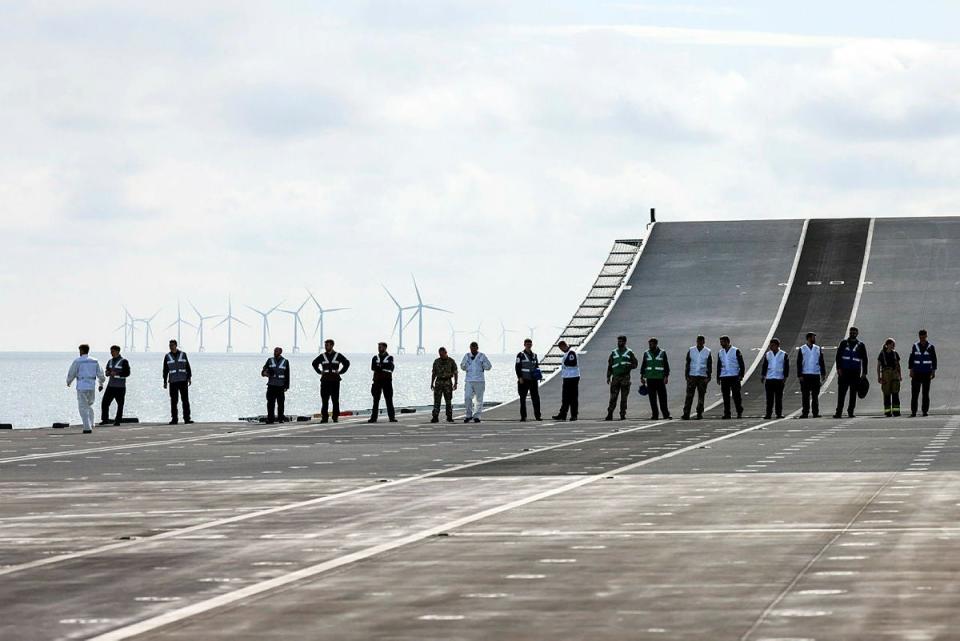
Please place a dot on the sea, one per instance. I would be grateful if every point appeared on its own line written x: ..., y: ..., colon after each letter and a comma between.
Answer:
x: 225, y: 387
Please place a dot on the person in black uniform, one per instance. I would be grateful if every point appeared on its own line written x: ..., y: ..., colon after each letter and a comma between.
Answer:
x: 178, y: 377
x: 277, y: 372
x: 528, y: 381
x: 852, y: 366
x: 118, y: 369
x: 923, y: 369
x: 382, y: 367
x: 331, y: 366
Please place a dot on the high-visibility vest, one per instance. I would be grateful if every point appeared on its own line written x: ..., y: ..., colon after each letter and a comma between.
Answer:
x: 278, y: 371
x: 775, y: 364
x: 654, y: 368
x: 528, y: 365
x: 571, y: 366
x: 621, y: 362
x: 850, y: 357
x: 177, y: 368
x: 116, y: 364
x: 698, y: 361
x: 728, y: 363
x: 922, y: 360
x: 811, y: 359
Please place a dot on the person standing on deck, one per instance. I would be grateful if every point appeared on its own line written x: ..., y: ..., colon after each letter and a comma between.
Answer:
x: 86, y: 371
x: 118, y: 369
x: 570, y: 375
x: 730, y: 373
x: 443, y: 380
x: 277, y: 372
x: 812, y: 370
x: 655, y: 374
x: 923, y: 369
x: 776, y: 369
x: 528, y: 380
x: 382, y: 367
x: 331, y: 366
x: 619, y: 365
x: 177, y: 377
x: 474, y: 363
x: 851, y: 366
x: 889, y: 376
x: 697, y: 371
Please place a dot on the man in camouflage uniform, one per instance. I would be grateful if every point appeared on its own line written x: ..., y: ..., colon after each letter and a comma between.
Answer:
x: 443, y: 381
x: 622, y: 360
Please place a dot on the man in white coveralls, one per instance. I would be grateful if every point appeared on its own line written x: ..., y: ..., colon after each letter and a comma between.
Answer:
x: 87, y: 372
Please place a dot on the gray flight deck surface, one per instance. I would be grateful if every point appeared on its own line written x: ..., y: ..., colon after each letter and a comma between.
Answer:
x: 710, y: 530
x: 708, y: 278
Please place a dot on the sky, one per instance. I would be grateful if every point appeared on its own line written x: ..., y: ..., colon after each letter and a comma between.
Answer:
x: 198, y: 150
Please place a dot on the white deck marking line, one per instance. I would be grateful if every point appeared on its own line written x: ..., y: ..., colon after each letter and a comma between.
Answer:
x: 783, y: 305
x: 179, y: 614
x: 60, y: 558
x: 856, y: 301
x: 711, y: 531
x: 806, y: 568
x: 185, y: 439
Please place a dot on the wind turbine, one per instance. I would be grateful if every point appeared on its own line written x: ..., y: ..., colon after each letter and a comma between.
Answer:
x: 180, y: 321
x: 296, y: 323
x: 321, y: 311
x: 228, y: 319
x: 148, y: 330
x: 531, y: 330
x: 478, y: 333
x: 201, y: 318
x: 453, y: 337
x: 127, y: 330
x: 398, y: 325
x: 420, y: 306
x: 503, y: 336
x: 266, y: 323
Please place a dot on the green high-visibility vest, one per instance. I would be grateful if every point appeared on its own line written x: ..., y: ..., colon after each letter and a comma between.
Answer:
x: 621, y: 362
x: 654, y: 367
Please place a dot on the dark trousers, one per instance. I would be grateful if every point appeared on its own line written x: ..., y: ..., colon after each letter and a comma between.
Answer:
x: 111, y: 394
x: 276, y: 396
x: 179, y: 390
x: 329, y: 392
x: 532, y: 388
x: 774, y: 389
x: 730, y: 386
x: 810, y: 394
x: 570, y: 397
x: 657, y: 392
x: 695, y: 385
x: 619, y: 387
x: 920, y: 382
x: 443, y: 390
x: 384, y: 388
x: 847, y: 382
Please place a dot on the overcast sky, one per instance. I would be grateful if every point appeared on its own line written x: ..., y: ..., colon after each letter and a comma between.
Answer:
x: 152, y: 151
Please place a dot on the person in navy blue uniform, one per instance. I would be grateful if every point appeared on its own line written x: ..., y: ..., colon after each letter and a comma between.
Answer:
x: 852, y: 366
x: 923, y: 369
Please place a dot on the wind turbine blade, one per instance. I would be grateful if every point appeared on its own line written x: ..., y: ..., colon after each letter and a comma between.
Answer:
x: 171, y: 324
x: 395, y: 302
x: 239, y: 321
x: 396, y: 324
x: 416, y: 289
x: 438, y: 309
x: 254, y: 309
x: 196, y: 311
x: 275, y: 307
x: 225, y: 319
x: 413, y: 317
x: 302, y: 304
x: 335, y: 309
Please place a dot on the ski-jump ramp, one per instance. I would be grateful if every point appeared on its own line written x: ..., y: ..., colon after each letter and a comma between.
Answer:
x: 754, y: 280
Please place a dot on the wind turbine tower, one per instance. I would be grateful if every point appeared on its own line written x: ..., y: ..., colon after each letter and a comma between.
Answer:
x: 297, y: 325
x: 127, y: 333
x: 201, y: 318
x: 228, y: 319
x: 503, y: 336
x: 321, y: 311
x: 265, y: 316
x: 420, y: 306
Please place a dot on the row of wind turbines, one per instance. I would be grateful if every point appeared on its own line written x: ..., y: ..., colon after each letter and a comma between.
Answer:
x: 406, y: 315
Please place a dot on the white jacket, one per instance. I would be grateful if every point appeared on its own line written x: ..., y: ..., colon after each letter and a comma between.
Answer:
x: 475, y: 366
x: 86, y: 371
